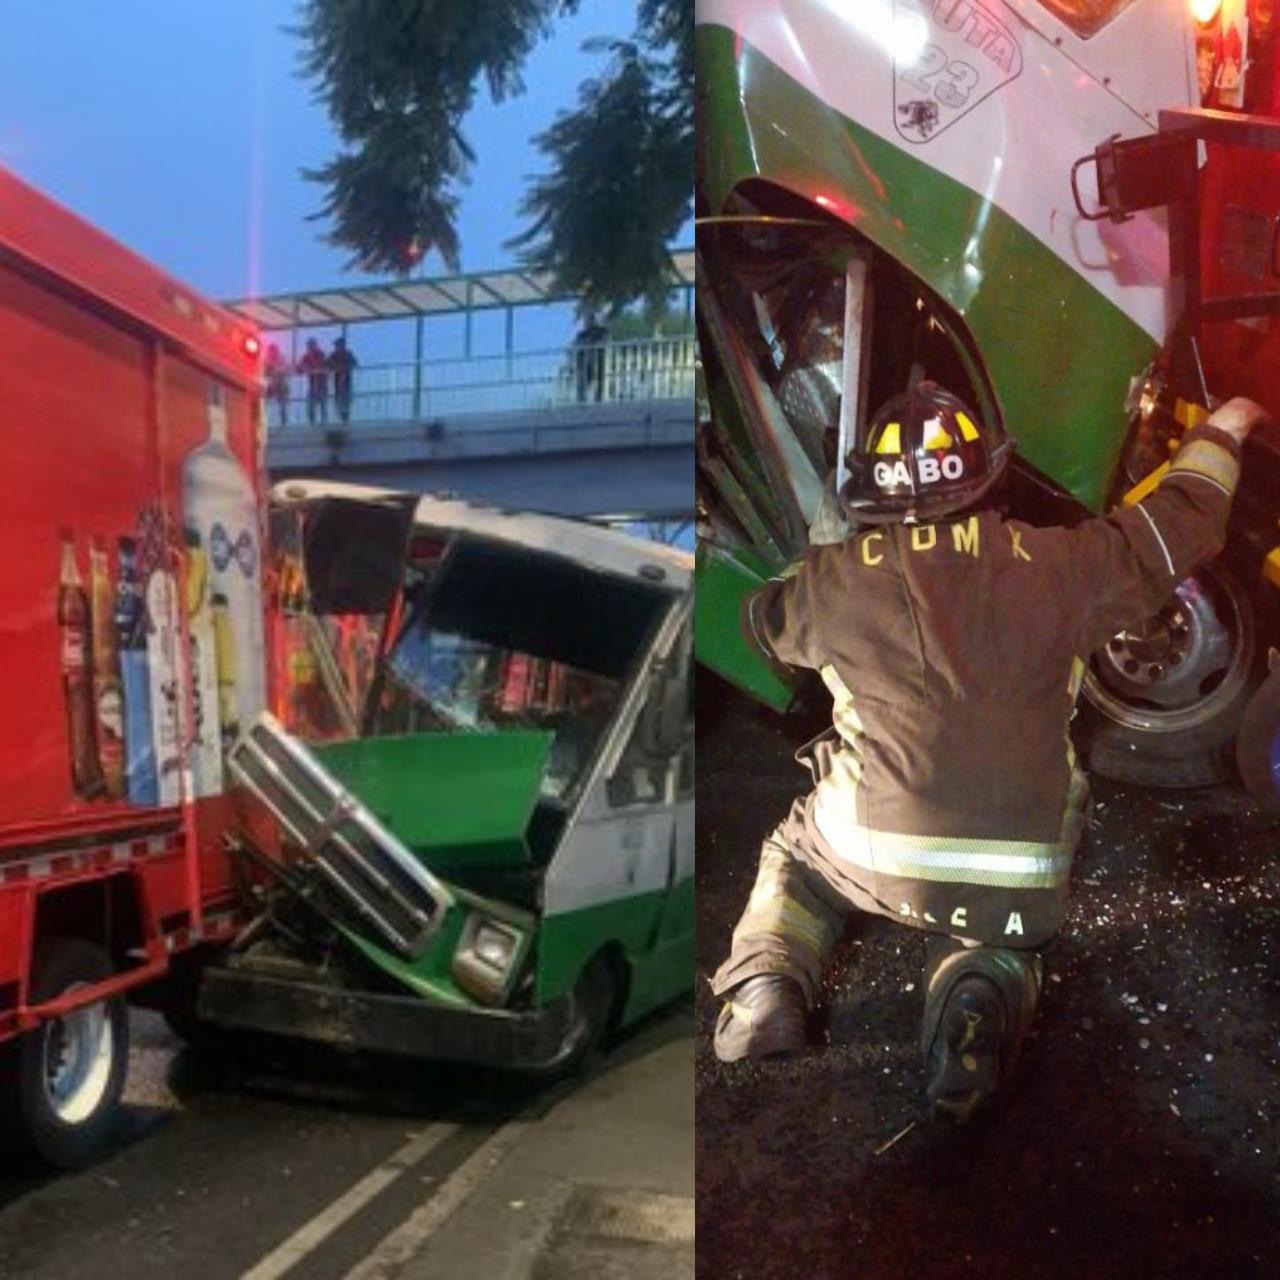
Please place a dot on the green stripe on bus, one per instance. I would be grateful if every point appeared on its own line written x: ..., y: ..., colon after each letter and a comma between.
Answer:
x: 1058, y: 352
x: 656, y: 946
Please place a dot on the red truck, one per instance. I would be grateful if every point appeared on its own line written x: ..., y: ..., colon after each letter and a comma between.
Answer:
x: 460, y: 737
x: 132, y: 606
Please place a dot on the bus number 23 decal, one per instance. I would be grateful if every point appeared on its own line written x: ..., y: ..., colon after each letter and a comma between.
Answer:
x: 951, y: 82
x: 939, y: 80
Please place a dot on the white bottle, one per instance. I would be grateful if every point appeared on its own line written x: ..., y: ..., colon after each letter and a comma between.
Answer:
x: 220, y: 508
x: 166, y: 690
x: 205, y: 762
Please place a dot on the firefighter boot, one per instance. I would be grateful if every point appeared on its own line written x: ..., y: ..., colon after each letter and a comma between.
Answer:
x: 978, y: 1008
x: 762, y: 1018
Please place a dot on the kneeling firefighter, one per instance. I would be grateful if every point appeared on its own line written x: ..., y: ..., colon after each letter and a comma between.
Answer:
x: 947, y: 795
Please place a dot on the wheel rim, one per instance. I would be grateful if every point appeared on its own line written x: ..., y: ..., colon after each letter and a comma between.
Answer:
x: 1182, y: 666
x: 79, y: 1050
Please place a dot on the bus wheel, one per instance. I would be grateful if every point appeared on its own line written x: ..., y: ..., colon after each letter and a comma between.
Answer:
x: 1162, y: 701
x: 71, y: 1069
x: 591, y: 1007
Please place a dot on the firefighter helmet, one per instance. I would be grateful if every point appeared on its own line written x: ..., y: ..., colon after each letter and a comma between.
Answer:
x: 924, y: 456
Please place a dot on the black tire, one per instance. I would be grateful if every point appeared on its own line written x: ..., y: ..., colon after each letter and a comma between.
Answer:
x: 75, y: 1129
x: 1256, y: 747
x: 1194, y: 745
x: 592, y: 1005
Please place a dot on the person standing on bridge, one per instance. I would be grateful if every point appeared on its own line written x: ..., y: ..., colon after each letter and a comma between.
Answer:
x: 589, y: 359
x: 946, y: 793
x: 316, y: 367
x: 276, y: 371
x: 342, y: 363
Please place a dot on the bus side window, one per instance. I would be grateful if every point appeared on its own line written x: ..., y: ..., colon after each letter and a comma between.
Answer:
x: 640, y: 775
x: 662, y: 738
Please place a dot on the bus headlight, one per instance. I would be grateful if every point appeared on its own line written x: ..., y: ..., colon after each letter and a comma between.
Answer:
x: 488, y: 958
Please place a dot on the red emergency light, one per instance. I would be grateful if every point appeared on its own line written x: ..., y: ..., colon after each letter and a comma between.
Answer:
x: 252, y: 345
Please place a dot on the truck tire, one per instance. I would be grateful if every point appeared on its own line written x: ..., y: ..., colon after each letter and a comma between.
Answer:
x: 1162, y: 703
x: 1258, y: 746
x: 71, y: 1070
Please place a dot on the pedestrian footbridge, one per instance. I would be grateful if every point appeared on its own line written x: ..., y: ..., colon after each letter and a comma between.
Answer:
x: 604, y: 431
x: 600, y: 429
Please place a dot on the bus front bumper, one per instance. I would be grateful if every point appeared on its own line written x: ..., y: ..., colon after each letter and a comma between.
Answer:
x: 244, y: 1000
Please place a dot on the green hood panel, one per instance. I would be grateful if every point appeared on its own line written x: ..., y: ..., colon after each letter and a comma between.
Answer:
x: 725, y: 579
x: 430, y: 976
x: 458, y: 800
x: 1059, y: 354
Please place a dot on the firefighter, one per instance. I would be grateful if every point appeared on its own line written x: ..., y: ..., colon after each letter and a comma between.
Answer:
x: 946, y: 793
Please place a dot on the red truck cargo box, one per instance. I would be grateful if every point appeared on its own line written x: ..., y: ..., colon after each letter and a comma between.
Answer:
x: 125, y: 573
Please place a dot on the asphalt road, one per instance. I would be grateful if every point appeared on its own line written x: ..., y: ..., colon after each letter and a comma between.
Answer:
x: 302, y: 1164
x: 1143, y: 1137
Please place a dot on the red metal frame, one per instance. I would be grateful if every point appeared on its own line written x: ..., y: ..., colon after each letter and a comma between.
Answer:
x: 152, y: 865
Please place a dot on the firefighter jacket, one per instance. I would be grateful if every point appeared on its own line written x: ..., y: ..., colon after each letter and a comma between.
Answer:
x: 953, y: 653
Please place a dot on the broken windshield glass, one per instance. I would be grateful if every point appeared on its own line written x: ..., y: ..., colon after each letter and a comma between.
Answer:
x: 496, y: 638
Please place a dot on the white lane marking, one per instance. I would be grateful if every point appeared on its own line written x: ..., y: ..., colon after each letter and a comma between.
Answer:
x: 408, y: 1238
x: 314, y: 1233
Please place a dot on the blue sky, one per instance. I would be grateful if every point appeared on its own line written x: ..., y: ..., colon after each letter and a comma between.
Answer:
x: 180, y: 127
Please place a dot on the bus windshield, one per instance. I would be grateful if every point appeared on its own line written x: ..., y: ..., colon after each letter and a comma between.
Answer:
x: 497, y: 637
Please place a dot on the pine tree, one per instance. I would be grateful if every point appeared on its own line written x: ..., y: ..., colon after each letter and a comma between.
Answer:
x: 399, y: 76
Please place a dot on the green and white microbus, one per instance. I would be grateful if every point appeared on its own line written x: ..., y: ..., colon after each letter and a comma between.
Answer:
x: 896, y: 189
x: 467, y: 820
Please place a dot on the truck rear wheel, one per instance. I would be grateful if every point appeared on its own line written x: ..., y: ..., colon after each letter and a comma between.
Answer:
x: 1162, y: 702
x: 71, y: 1070
x: 1258, y: 746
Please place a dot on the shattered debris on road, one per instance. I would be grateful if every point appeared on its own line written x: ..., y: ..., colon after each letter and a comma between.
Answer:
x: 1145, y: 1125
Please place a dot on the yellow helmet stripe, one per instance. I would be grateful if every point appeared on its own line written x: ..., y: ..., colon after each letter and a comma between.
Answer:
x: 967, y: 429
x: 890, y: 438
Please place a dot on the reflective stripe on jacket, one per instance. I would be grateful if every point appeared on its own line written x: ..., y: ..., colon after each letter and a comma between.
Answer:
x: 952, y: 653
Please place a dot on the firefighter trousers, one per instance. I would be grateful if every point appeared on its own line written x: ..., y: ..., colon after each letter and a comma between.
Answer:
x: 793, y: 919
x: 796, y: 915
